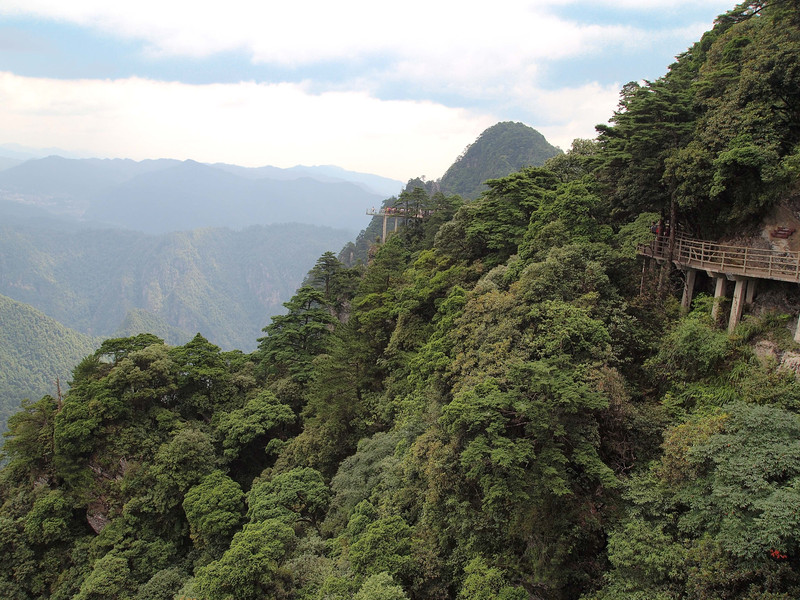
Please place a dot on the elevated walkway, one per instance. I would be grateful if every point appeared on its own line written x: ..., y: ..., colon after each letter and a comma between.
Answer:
x: 743, y: 261
x: 396, y: 213
x: 723, y: 262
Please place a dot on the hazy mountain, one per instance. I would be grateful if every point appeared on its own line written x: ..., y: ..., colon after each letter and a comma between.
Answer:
x: 191, y: 195
x: 26, y: 152
x: 66, y: 186
x: 500, y: 150
x: 140, y: 320
x: 382, y: 186
x: 7, y: 162
x: 224, y: 284
x: 35, y: 350
x: 167, y: 195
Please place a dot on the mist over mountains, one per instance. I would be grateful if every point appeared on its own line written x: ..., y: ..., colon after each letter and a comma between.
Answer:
x: 158, y: 196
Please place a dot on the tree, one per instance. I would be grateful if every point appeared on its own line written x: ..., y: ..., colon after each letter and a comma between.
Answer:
x: 380, y: 586
x: 110, y: 578
x: 259, y: 419
x: 214, y: 508
x: 251, y: 569
x: 179, y: 464
x: 483, y: 582
x: 294, y: 339
x: 300, y: 494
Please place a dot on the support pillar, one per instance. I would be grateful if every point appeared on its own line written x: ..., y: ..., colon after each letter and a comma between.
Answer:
x: 383, y: 239
x: 644, y: 274
x: 688, y: 289
x: 395, y: 223
x: 797, y: 332
x: 751, y: 291
x: 738, y: 304
x: 719, y: 295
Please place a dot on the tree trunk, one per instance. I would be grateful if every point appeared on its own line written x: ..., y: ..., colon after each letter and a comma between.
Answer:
x: 666, y: 269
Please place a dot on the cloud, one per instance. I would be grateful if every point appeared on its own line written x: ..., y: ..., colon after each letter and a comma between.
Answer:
x: 247, y: 123
x: 471, y: 56
x: 570, y: 113
x: 487, y: 37
x: 282, y: 124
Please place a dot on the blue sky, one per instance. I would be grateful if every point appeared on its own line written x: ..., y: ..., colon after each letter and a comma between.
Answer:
x: 396, y: 89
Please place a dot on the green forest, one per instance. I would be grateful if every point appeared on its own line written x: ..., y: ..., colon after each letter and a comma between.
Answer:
x: 37, y: 355
x: 111, y: 282
x: 495, y: 406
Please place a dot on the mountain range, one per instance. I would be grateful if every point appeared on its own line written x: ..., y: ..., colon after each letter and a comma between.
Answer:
x: 116, y: 247
x: 157, y: 196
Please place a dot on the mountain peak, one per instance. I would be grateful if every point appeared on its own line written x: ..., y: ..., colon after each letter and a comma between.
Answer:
x: 501, y: 149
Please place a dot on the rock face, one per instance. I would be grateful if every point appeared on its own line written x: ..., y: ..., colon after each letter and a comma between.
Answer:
x: 768, y: 353
x: 97, y: 517
x: 791, y: 361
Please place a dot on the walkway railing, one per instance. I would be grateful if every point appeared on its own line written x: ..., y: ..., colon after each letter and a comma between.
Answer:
x: 721, y: 258
x: 399, y: 213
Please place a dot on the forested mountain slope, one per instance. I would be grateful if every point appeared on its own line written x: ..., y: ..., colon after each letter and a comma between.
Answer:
x: 498, y: 151
x: 225, y: 284
x: 493, y: 408
x: 35, y: 352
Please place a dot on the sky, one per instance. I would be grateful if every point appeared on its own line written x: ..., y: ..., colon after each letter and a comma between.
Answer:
x: 397, y: 89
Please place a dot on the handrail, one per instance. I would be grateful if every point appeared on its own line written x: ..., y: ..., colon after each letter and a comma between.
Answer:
x: 726, y: 258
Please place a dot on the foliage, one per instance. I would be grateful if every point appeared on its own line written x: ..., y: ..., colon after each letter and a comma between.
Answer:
x: 487, y: 408
x: 250, y: 568
x: 380, y: 586
x: 294, y: 339
x: 300, y: 494
x: 36, y: 352
x: 213, y: 509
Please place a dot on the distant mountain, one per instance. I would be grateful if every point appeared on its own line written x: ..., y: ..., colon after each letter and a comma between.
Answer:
x: 224, y: 284
x: 7, y: 162
x: 500, y: 150
x: 382, y: 186
x: 140, y: 320
x: 66, y: 185
x: 35, y: 351
x: 190, y: 195
x: 163, y: 195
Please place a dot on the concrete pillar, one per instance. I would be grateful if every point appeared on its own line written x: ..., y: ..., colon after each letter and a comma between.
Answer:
x: 719, y: 295
x: 688, y: 289
x: 383, y: 239
x: 738, y: 304
x: 395, y: 223
x: 797, y: 332
x: 751, y: 291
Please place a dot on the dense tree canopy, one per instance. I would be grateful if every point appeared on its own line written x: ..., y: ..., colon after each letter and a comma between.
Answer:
x: 493, y: 406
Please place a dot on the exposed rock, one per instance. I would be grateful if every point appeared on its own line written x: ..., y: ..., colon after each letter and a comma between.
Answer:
x: 791, y: 361
x: 97, y: 516
x: 766, y: 352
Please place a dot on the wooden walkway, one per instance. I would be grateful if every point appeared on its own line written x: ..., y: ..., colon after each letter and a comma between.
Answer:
x: 741, y: 261
x: 743, y: 264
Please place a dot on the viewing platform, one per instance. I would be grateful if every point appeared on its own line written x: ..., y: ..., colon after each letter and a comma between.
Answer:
x: 722, y: 262
x: 396, y: 213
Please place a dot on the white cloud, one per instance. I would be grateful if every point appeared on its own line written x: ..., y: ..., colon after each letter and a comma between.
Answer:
x: 279, y: 124
x: 570, y: 113
x: 486, y: 37
x: 485, y: 53
x: 246, y: 123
